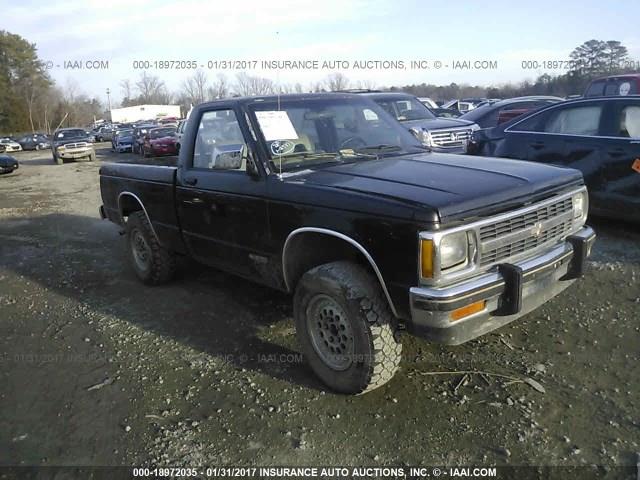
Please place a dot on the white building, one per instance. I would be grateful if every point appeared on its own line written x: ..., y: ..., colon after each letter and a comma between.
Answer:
x: 144, y: 112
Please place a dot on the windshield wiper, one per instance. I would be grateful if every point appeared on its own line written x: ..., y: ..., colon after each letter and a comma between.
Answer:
x: 378, y: 148
x: 383, y: 147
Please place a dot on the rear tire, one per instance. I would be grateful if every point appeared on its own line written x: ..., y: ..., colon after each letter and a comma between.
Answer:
x: 345, y: 327
x: 152, y: 263
x: 92, y: 157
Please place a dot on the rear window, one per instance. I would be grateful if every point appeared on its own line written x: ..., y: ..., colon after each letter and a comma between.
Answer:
x: 620, y: 87
x: 612, y: 87
x: 595, y: 89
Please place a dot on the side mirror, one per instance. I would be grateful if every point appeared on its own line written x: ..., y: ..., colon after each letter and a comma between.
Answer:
x: 228, y: 157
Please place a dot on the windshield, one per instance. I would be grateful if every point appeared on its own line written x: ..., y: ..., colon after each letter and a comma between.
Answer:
x: 67, y: 134
x: 304, y: 132
x: 161, y: 132
x: 406, y: 109
x: 125, y: 133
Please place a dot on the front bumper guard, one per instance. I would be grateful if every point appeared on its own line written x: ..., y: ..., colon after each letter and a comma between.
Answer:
x: 509, y: 292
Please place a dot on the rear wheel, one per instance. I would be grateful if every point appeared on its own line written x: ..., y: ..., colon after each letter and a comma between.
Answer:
x: 345, y: 327
x: 152, y: 263
x: 92, y: 157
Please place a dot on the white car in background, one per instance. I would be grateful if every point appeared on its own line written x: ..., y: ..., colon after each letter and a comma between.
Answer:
x: 428, y: 102
x: 9, y: 145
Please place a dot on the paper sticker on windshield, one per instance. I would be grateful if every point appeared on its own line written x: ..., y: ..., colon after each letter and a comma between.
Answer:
x: 276, y: 125
x: 282, y: 147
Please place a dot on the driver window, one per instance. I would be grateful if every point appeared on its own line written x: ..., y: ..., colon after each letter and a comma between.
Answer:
x: 219, y: 143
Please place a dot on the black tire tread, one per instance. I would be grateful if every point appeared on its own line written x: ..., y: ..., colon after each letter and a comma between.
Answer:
x: 163, y: 263
x: 359, y: 284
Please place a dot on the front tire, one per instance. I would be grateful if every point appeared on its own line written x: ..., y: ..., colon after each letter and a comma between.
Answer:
x: 345, y: 327
x: 152, y: 263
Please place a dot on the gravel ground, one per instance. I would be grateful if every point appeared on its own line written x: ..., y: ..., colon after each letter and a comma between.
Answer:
x: 98, y: 369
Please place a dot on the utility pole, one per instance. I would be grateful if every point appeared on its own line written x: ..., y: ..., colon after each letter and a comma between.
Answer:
x: 109, y: 102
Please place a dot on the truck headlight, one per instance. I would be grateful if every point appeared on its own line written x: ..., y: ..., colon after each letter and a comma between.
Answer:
x: 454, y: 250
x: 580, y: 205
x: 422, y: 135
x: 447, y: 253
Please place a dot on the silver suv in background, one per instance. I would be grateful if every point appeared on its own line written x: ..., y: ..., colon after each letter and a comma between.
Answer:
x: 446, y: 135
x: 72, y: 144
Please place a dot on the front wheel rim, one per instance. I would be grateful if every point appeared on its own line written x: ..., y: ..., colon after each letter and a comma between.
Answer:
x: 330, y: 332
x: 141, y: 250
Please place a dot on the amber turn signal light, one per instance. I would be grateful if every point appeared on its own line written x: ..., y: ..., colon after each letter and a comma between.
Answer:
x: 426, y: 258
x: 462, y: 312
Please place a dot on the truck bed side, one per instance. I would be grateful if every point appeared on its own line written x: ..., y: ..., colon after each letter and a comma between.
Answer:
x: 126, y: 188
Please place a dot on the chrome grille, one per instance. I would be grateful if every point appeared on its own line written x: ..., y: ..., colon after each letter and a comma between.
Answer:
x: 76, y: 145
x: 450, y: 138
x: 529, y: 219
x: 517, y: 235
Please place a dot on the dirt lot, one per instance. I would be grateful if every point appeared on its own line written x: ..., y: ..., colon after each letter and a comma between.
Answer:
x: 97, y: 369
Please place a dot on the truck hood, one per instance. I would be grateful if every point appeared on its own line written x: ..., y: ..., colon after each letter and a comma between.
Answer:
x: 452, y: 186
x: 437, y: 123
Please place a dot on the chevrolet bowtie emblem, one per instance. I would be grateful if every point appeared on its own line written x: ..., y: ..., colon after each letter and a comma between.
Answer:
x: 536, y: 230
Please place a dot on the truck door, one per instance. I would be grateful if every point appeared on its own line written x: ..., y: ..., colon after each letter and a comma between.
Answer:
x: 222, y: 209
x: 620, y: 160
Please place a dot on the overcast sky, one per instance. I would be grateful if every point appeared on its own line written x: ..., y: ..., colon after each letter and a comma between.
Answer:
x: 123, y: 31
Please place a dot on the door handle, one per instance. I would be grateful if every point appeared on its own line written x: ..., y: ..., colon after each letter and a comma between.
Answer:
x: 618, y: 152
x: 537, y: 145
x: 194, y: 201
x: 190, y: 180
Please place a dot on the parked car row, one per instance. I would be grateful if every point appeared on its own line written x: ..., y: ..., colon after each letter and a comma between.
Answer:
x: 598, y: 134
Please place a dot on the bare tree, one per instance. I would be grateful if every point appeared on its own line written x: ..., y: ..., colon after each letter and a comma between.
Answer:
x: 367, y: 84
x: 251, y: 85
x: 151, y: 89
x: 219, y: 88
x: 337, y: 81
x: 195, y: 88
x: 126, y: 90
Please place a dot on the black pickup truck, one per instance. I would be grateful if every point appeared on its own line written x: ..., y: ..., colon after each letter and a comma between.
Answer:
x: 328, y: 197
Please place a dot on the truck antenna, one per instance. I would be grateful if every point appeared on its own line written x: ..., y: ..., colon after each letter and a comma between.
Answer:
x: 278, y: 97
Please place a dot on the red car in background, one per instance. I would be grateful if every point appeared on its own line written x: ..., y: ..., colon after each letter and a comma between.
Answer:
x: 159, y: 141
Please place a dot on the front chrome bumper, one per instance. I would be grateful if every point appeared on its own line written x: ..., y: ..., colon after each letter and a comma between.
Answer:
x: 76, y: 153
x: 510, y: 292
